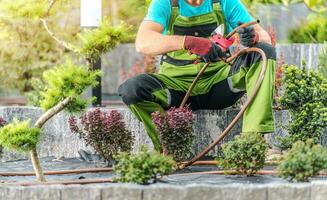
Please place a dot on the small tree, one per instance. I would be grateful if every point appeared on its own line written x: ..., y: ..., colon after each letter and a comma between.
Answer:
x: 302, y: 161
x: 142, y: 167
x: 246, y: 154
x: 175, y: 129
x: 64, y: 87
x: 106, y: 133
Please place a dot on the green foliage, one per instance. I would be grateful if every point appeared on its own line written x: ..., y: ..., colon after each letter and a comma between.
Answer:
x: 302, y: 161
x: 26, y: 49
x: 312, y: 31
x: 319, y: 6
x: 323, y: 61
x: 67, y: 80
x: 132, y: 12
x: 142, y: 167
x: 101, y: 40
x: 246, y: 153
x: 25, y: 9
x: 305, y: 96
x: 19, y: 136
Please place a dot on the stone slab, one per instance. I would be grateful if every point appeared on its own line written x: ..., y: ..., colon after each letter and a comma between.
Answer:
x: 290, y: 191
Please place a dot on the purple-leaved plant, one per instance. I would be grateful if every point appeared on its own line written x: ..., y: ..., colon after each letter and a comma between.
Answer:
x: 2, y: 122
x: 106, y: 133
x: 175, y: 130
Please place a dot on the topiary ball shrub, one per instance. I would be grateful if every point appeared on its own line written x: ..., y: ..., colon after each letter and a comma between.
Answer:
x: 142, y: 168
x: 176, y: 132
x: 106, y: 133
x: 19, y: 136
x: 246, y: 154
x: 305, y: 96
x: 302, y: 161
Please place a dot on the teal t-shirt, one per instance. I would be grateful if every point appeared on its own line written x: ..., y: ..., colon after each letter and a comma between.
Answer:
x: 233, y: 11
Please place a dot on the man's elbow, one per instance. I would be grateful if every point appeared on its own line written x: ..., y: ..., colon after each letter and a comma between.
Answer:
x: 143, y: 48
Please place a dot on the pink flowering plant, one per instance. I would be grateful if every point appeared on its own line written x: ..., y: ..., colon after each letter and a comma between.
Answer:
x: 106, y: 133
x: 176, y: 132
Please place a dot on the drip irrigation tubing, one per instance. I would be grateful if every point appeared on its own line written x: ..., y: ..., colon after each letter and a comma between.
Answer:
x: 59, y: 172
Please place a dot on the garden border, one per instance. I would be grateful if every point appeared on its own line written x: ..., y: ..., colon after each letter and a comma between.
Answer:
x: 316, y: 190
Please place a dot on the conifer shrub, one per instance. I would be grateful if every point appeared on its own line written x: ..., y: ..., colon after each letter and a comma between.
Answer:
x: 302, y: 161
x: 19, y: 136
x: 68, y: 80
x: 313, y: 31
x: 106, y: 133
x: 176, y: 132
x: 305, y: 96
x: 143, y: 167
x: 246, y: 154
x: 102, y: 39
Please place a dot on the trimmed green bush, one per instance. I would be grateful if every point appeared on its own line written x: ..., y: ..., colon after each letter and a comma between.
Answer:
x: 313, y: 31
x: 101, y: 40
x: 246, y: 154
x: 143, y: 167
x: 302, y: 161
x: 68, y: 80
x: 19, y: 136
x: 305, y: 96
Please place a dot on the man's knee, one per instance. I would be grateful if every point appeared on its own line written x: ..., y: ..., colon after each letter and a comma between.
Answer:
x: 138, y: 88
x: 269, y: 50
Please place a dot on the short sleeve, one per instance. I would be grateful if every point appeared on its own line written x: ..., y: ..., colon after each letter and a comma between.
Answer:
x: 159, y: 11
x: 236, y: 12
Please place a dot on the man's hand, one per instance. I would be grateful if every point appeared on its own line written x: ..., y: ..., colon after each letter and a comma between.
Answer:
x: 248, y: 36
x: 208, y: 50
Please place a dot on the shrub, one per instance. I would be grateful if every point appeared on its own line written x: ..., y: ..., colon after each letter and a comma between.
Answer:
x: 142, y: 167
x: 313, y: 31
x: 19, y: 136
x: 302, y: 161
x: 102, y: 39
x: 305, y: 95
x: 246, y: 154
x: 2, y: 122
x: 106, y: 133
x: 175, y: 130
x: 67, y: 80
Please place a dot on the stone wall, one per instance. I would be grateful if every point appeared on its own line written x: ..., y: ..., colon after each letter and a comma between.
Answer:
x: 58, y: 141
x: 125, y: 56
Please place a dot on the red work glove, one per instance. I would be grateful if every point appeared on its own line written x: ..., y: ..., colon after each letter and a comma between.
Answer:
x: 209, y: 51
x: 248, y: 36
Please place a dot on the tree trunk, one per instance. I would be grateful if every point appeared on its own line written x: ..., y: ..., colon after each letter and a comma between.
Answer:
x: 38, y: 124
x: 37, y: 167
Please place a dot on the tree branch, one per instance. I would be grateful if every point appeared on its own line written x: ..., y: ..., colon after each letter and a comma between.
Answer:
x: 44, y: 21
x: 51, y: 112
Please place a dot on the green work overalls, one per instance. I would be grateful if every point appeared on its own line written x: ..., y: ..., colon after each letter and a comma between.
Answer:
x: 220, y: 86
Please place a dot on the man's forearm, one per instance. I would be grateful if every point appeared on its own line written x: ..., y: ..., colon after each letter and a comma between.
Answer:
x: 153, y: 42
x: 159, y: 44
